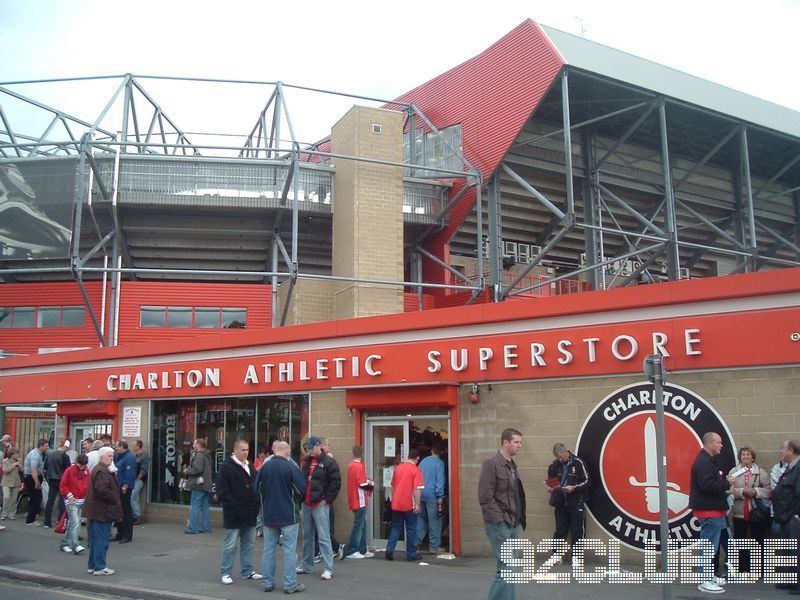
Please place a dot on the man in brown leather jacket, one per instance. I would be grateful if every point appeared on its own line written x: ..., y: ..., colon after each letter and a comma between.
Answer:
x: 502, y: 500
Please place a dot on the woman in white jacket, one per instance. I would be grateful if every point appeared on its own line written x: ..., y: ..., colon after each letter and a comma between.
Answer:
x: 752, y: 483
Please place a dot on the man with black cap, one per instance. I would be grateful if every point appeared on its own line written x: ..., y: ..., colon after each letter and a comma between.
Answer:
x: 322, y: 486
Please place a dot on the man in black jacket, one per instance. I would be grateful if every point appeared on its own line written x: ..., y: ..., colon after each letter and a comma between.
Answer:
x: 236, y: 493
x: 708, y: 499
x: 786, y: 500
x: 568, y: 484
x: 322, y: 486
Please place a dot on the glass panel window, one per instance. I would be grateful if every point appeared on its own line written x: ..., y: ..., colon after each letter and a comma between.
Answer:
x: 5, y: 316
x: 234, y: 318
x: 219, y: 422
x: 179, y: 316
x: 48, y: 316
x: 152, y: 316
x: 206, y: 317
x: 73, y: 316
x: 23, y: 316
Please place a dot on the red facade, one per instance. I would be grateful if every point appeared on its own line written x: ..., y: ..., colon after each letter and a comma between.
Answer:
x: 256, y: 299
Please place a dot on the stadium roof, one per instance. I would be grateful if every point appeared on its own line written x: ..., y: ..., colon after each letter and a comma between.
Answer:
x: 616, y: 64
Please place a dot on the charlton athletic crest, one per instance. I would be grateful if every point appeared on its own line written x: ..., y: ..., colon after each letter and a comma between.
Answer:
x: 618, y: 445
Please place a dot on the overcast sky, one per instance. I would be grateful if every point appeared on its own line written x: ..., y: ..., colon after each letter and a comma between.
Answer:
x: 368, y: 48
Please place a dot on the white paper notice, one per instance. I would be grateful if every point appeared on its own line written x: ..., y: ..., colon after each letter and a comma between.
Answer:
x: 388, y: 447
x: 132, y: 422
x: 387, y: 480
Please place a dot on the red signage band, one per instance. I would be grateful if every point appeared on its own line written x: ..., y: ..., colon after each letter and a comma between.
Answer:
x: 696, y: 342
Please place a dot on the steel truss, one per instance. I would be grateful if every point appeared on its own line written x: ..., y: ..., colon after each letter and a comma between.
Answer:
x: 146, y: 129
x: 660, y: 233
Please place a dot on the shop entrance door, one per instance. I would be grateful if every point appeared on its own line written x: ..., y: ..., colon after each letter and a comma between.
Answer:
x: 387, y: 441
x: 387, y: 447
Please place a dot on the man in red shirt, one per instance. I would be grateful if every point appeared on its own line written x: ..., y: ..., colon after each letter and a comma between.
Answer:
x: 407, y: 484
x: 359, y: 488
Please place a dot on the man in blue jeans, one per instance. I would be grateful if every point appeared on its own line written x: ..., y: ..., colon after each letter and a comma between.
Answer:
x: 708, y: 499
x: 282, y: 487
x: 430, y: 516
x: 359, y: 488
x: 502, y: 500
x: 240, y: 503
x: 323, y: 482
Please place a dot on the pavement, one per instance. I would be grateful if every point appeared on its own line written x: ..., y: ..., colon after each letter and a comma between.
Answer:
x: 163, y: 563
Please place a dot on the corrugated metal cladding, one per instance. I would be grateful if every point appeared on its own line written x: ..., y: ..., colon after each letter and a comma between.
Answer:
x: 257, y: 299
x: 492, y: 95
x: 30, y: 340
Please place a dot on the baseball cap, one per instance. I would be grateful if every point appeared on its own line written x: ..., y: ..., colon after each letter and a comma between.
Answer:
x: 313, y: 441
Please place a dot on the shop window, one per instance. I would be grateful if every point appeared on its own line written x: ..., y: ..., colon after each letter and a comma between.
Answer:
x: 5, y: 317
x: 220, y: 422
x: 179, y: 317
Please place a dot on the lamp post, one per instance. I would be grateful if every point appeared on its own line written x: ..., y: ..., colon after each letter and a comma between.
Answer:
x: 654, y: 370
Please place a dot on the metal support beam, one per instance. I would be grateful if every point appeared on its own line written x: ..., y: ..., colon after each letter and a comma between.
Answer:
x: 628, y: 133
x: 748, y: 195
x: 711, y: 153
x: 580, y: 125
x: 670, y: 221
x: 290, y: 175
x: 495, y: 235
x: 443, y: 264
x: 711, y: 225
x: 777, y: 236
x: 777, y: 175
x: 567, y: 144
x: 532, y: 191
x: 96, y: 170
x: 273, y: 258
x: 585, y: 269
x: 537, y: 259
x: 591, y: 209
x: 630, y: 210
x: 712, y: 236
x: 642, y: 268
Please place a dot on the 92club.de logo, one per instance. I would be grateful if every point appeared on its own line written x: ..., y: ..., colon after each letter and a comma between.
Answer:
x: 618, y: 445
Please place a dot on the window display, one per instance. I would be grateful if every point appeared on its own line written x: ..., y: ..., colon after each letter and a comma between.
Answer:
x: 220, y: 422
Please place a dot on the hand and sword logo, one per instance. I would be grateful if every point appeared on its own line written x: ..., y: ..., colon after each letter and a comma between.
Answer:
x: 677, y: 501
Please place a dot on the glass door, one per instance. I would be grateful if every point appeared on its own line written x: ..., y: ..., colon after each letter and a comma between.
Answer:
x: 387, y: 447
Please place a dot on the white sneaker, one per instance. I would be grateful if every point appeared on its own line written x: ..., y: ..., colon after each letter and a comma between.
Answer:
x: 66, y: 549
x: 255, y: 576
x: 709, y: 587
x: 79, y: 549
x: 326, y: 575
x: 105, y: 571
x: 356, y: 555
x: 340, y: 552
x: 368, y: 554
x: 227, y: 580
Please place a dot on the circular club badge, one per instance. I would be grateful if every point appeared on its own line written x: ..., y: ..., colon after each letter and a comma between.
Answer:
x: 618, y: 445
